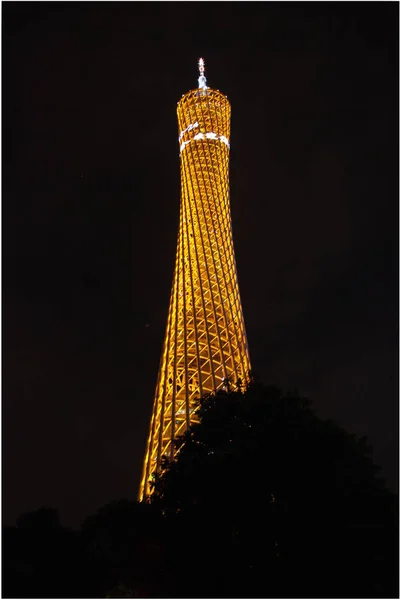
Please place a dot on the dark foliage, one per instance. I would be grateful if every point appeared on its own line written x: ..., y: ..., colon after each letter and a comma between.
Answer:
x: 264, y: 500
x: 274, y: 501
x: 125, y: 540
x: 41, y: 559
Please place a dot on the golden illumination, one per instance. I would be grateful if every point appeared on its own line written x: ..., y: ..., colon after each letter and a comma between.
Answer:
x: 205, y: 341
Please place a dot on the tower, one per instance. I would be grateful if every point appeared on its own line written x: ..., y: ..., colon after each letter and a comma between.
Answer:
x: 205, y: 341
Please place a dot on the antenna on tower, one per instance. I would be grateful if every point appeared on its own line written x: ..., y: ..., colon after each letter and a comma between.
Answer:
x: 202, y: 78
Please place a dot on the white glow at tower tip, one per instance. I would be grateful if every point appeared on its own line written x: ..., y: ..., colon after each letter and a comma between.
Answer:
x: 201, y: 78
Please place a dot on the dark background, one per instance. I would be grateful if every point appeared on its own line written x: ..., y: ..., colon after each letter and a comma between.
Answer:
x: 90, y: 216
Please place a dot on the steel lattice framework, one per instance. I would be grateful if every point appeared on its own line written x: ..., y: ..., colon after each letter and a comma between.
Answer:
x: 205, y: 341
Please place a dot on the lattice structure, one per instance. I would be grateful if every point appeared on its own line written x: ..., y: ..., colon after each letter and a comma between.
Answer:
x: 205, y: 341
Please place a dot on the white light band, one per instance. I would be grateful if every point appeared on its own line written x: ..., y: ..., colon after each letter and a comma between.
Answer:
x: 200, y: 136
x: 192, y: 126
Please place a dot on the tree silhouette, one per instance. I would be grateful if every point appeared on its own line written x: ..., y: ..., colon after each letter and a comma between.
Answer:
x: 42, y: 559
x: 124, y: 539
x: 274, y: 501
x: 265, y: 499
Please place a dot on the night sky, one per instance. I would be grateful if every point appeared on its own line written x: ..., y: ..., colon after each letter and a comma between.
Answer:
x: 91, y: 194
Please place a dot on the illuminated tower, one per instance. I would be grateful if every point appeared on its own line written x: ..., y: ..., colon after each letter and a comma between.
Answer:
x: 205, y: 341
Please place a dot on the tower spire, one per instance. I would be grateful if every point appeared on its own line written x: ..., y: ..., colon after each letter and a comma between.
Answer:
x: 202, y: 78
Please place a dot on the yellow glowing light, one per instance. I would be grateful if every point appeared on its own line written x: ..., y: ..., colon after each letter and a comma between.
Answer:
x: 205, y: 341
